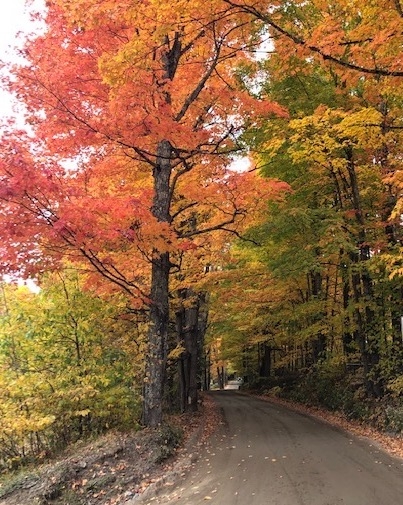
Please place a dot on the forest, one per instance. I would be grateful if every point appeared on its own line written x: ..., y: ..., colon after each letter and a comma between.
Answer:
x: 201, y: 190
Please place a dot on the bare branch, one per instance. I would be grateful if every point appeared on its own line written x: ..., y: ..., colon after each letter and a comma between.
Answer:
x: 198, y: 89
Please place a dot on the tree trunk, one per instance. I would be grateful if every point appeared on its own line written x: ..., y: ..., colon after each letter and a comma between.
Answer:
x: 220, y: 377
x: 362, y: 287
x: 191, y: 323
x: 206, y: 373
x: 265, y: 361
x: 202, y: 323
x: 347, y: 337
x: 319, y: 343
x: 159, y: 305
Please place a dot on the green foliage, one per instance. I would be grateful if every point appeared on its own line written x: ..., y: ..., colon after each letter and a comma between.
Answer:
x: 325, y: 385
x: 303, y: 92
x: 68, y: 368
x: 328, y: 301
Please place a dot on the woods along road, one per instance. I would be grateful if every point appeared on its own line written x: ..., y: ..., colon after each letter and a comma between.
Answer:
x: 265, y: 454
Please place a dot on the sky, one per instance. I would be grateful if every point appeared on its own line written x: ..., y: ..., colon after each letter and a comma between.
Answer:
x: 14, y: 18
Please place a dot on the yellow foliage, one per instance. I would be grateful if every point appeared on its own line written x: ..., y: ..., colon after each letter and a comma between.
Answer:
x: 322, y: 137
x: 176, y: 352
x: 64, y: 354
x: 363, y: 128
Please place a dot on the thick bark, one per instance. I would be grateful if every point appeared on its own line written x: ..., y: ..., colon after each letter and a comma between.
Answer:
x: 159, y: 295
x: 157, y: 343
x: 159, y: 308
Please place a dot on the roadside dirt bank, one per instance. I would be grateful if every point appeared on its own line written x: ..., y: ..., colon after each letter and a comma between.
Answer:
x: 115, y: 468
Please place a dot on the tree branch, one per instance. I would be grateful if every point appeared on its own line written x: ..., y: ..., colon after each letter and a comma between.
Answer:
x: 399, y: 7
x: 315, y: 49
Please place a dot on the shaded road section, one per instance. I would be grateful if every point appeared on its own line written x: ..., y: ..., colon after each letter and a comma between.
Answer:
x: 265, y: 454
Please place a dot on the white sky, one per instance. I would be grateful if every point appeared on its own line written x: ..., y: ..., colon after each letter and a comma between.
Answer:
x: 14, y: 18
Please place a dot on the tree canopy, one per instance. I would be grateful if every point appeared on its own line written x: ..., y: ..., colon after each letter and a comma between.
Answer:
x: 135, y: 113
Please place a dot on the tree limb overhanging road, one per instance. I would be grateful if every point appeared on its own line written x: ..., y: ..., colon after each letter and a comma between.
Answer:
x: 265, y: 454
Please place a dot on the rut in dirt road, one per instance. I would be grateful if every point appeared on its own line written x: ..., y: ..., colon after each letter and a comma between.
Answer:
x: 266, y: 454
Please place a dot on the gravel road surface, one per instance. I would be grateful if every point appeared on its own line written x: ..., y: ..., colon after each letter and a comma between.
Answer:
x: 265, y: 454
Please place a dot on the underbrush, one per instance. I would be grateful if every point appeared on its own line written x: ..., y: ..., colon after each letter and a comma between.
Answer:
x: 327, y: 386
x: 22, y: 443
x: 107, y: 469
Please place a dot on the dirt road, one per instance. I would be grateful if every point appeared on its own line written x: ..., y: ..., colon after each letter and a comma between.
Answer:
x: 268, y: 455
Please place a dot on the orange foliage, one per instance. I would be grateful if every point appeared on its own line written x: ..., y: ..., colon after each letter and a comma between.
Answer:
x: 356, y: 39
x: 106, y: 84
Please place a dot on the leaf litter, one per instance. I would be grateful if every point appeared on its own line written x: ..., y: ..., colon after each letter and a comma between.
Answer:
x: 115, y: 468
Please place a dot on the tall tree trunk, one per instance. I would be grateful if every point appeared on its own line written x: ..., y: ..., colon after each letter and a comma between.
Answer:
x: 159, y: 307
x: 362, y: 287
x: 347, y: 337
x: 220, y: 377
x: 204, y: 358
x: 319, y: 343
x: 186, y: 323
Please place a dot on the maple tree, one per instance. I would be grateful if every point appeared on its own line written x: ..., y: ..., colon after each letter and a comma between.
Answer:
x: 135, y: 110
x: 356, y: 43
x: 332, y: 248
x: 191, y: 315
x: 351, y: 37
